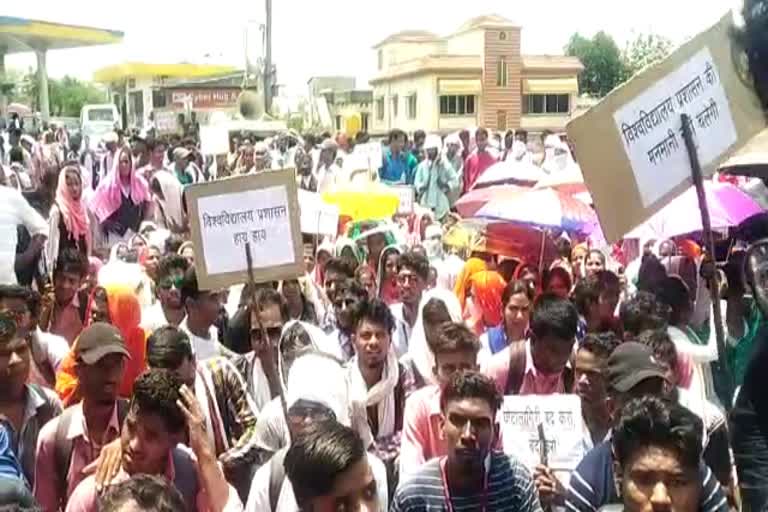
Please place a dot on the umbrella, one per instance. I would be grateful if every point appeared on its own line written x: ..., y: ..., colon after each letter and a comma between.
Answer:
x: 728, y: 206
x: 18, y: 108
x: 548, y: 208
x: 570, y: 180
x: 519, y: 173
x: 502, y: 238
x: 751, y: 160
x: 370, y: 200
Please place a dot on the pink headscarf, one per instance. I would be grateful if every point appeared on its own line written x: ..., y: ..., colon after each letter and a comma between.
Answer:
x: 72, y: 210
x: 108, y: 195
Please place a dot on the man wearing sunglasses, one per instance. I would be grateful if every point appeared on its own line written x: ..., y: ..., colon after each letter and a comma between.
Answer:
x: 169, y: 309
x: 412, y: 277
x: 350, y: 293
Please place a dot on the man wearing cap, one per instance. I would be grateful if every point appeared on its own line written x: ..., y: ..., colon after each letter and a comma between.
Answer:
x: 181, y: 165
x: 328, y: 172
x: 434, y: 180
x: 632, y: 372
x: 72, y: 441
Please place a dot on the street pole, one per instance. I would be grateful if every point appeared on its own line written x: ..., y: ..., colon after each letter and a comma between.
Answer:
x: 268, y: 59
x: 42, y: 81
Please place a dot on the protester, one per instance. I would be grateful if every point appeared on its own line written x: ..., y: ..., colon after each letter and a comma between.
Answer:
x: 167, y: 202
x: 299, y: 306
x: 17, y: 211
x: 487, y: 288
x: 540, y: 366
x: 412, y: 276
x: 14, y: 493
x: 327, y: 173
x: 398, y: 165
x: 202, y: 307
x: 462, y: 288
x: 73, y: 440
x: 557, y: 281
x: 477, y: 162
x: 335, y: 275
x: 142, y: 493
x: 435, y: 182
x: 161, y: 409
x: 68, y: 221
x: 168, y: 309
x: 471, y: 473
x: 387, y: 274
x: 349, y: 295
x: 596, y: 298
x: 516, y: 304
x: 594, y: 262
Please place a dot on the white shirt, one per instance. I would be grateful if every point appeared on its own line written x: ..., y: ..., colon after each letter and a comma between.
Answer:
x: 402, y: 333
x: 204, y: 348
x: 15, y: 210
x: 153, y: 317
x: 327, y: 177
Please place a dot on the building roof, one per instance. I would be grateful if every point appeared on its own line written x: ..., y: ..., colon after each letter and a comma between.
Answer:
x: 488, y: 21
x: 461, y: 63
x: 219, y: 81
x: 552, y: 63
x: 143, y: 69
x: 26, y: 35
x: 410, y: 36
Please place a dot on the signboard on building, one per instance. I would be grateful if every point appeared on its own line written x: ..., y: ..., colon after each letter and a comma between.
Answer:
x: 630, y: 146
x: 206, y: 98
x: 262, y: 210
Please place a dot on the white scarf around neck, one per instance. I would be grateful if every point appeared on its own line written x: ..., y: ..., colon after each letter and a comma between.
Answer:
x: 381, y: 394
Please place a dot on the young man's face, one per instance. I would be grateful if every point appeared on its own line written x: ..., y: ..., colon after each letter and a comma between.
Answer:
x: 396, y: 144
x: 145, y: 441
x: 372, y: 342
x: 410, y: 286
x: 100, y: 382
x: 343, y: 306
x: 550, y: 354
x: 354, y: 489
x: 65, y: 286
x: 14, y: 367
x: 207, y: 306
x: 589, y: 378
x: 168, y: 289
x: 654, y: 480
x: 469, y: 431
x: 333, y: 284
x: 272, y: 322
x: 448, y: 363
x: 19, y: 311
x: 481, y: 139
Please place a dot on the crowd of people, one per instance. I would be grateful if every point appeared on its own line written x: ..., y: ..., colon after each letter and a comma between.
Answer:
x: 375, y: 380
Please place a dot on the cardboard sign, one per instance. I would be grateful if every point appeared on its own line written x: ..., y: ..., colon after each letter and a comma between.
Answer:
x: 563, y: 428
x: 630, y: 146
x: 372, y: 154
x: 317, y: 216
x: 261, y: 209
x: 166, y: 122
x: 407, y: 196
x: 214, y: 140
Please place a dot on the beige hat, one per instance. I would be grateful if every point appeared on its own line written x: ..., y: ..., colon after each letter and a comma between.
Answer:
x: 180, y: 152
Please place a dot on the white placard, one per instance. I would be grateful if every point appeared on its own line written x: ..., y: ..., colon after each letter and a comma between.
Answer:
x: 373, y: 154
x: 651, y: 129
x: 563, y: 429
x: 214, y: 140
x: 317, y: 217
x: 407, y: 196
x: 260, y: 217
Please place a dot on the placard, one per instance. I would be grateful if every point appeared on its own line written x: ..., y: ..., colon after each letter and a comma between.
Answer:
x: 630, y: 146
x: 563, y: 429
x: 261, y: 209
x: 317, y: 216
x: 214, y: 140
x: 373, y: 154
x: 407, y: 197
x: 166, y: 122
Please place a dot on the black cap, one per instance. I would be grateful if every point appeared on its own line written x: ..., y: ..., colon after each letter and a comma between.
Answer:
x: 98, y: 340
x: 630, y: 364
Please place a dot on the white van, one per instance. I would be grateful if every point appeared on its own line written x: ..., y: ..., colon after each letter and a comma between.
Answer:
x: 105, y: 113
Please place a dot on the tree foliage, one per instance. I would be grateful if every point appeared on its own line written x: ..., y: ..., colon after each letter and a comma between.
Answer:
x: 644, y: 50
x: 66, y: 96
x: 603, y: 64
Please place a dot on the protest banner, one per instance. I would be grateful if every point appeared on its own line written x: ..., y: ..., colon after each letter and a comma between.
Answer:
x: 630, y: 146
x: 261, y: 209
x: 317, y: 216
x: 562, y: 425
x: 407, y: 197
x: 373, y: 155
x: 167, y: 122
x: 214, y: 140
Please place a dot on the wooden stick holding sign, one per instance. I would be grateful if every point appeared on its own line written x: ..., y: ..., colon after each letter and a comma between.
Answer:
x: 709, y: 242
x: 269, y: 364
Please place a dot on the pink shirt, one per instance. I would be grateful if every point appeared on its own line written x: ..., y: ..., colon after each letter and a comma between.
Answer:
x: 475, y: 166
x: 534, y: 382
x: 85, y: 497
x: 84, y: 451
x: 421, y: 430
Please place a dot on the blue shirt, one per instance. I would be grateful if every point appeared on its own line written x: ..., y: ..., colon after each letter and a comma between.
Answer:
x: 9, y: 464
x: 398, y: 170
x: 593, y: 486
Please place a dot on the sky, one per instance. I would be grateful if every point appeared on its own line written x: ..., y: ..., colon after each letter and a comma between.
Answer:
x: 335, y: 37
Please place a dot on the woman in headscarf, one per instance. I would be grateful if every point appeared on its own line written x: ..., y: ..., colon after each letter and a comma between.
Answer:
x: 68, y: 223
x: 299, y: 307
x: 346, y: 250
x: 323, y: 253
x: 418, y: 226
x: 516, y: 305
x: 578, y: 256
x: 437, y: 306
x: 387, y: 275
x: 461, y: 290
x: 122, y: 200
x: 487, y: 288
x: 529, y: 274
x: 187, y: 251
x: 115, y: 304
x: 166, y: 200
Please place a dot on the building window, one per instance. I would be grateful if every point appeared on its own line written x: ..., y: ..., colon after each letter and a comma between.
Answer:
x: 501, y: 72
x: 412, y: 106
x: 463, y: 105
x: 380, y: 109
x: 394, y: 106
x: 364, y: 122
x: 338, y: 123
x: 159, y: 98
x: 546, y: 103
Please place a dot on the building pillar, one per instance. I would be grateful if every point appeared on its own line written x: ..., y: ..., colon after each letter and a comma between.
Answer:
x: 42, y: 81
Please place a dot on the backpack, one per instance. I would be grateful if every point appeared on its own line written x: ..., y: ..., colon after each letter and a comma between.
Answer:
x: 516, y: 373
x: 62, y: 448
x: 276, y: 477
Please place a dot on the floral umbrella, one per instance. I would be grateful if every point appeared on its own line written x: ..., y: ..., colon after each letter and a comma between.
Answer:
x: 544, y: 208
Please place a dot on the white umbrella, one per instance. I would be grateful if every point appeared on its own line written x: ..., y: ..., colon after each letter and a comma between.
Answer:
x: 517, y: 173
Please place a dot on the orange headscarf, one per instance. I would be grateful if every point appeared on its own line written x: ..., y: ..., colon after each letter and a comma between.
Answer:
x: 125, y: 314
x: 487, y: 288
x: 471, y: 267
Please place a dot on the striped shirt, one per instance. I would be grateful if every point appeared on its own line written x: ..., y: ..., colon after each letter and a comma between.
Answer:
x: 593, y: 485
x: 510, y: 488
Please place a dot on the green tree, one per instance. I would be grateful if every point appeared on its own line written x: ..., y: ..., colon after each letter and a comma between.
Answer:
x: 644, y: 50
x: 604, y: 67
x: 66, y: 96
